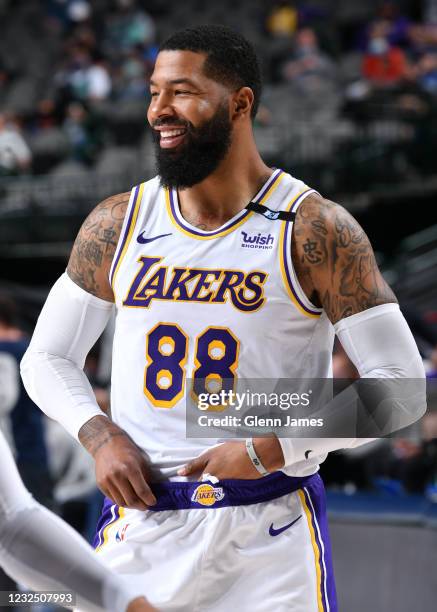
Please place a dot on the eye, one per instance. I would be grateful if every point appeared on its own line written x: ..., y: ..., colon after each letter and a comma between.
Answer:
x: 153, y: 94
x: 182, y: 91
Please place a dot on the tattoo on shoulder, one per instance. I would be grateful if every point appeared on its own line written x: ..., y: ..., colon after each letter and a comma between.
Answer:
x: 95, y: 245
x: 335, y: 261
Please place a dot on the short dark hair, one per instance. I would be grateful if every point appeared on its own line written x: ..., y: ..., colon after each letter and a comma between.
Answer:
x: 231, y: 59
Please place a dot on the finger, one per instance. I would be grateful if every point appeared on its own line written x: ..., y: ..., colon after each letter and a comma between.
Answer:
x: 194, y: 467
x: 114, y: 494
x: 141, y: 488
x: 130, y: 497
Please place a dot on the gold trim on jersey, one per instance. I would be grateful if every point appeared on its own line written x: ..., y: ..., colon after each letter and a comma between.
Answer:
x: 129, y: 230
x: 192, y: 233
x: 282, y: 264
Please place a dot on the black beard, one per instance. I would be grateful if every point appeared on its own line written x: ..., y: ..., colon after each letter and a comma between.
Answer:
x: 203, y: 150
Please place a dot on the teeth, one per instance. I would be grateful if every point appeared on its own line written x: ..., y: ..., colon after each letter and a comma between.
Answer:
x: 171, y: 133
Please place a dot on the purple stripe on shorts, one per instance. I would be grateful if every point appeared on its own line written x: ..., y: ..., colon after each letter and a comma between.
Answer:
x: 316, y: 501
x: 110, y: 513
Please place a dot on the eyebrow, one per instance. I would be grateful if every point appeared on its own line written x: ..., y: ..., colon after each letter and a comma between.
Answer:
x: 175, y: 82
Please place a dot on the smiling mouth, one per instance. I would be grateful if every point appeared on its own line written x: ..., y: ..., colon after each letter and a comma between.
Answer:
x: 172, y: 137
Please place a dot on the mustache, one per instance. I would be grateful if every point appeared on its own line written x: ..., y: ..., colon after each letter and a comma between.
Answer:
x: 172, y: 122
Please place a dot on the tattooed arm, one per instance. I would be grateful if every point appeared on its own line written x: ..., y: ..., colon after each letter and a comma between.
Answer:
x: 95, y: 245
x: 337, y: 270
x: 121, y: 469
x: 74, y: 315
x: 334, y: 260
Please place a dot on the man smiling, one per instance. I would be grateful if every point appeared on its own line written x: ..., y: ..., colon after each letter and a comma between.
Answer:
x: 193, y: 302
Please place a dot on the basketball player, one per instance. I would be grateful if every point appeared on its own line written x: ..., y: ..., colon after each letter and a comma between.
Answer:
x: 196, y: 298
x: 42, y: 552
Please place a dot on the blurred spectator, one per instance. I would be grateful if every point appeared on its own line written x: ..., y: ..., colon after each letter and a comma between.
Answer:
x: 86, y: 78
x: 82, y: 133
x: 128, y: 26
x: 45, y: 116
x: 383, y: 65
x: 398, y: 24
x: 308, y: 66
x: 15, y: 155
x: 63, y: 13
x: 422, y: 39
x: 98, y: 81
x: 130, y: 81
x: 282, y: 20
x: 426, y: 73
x: 26, y: 419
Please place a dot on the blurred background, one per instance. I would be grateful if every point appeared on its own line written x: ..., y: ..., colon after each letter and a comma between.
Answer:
x: 349, y: 106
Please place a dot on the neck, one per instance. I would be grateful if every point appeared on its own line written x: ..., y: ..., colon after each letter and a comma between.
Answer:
x: 209, y: 204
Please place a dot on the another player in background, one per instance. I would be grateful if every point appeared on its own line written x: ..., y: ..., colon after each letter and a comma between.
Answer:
x: 206, y: 284
x: 43, y: 553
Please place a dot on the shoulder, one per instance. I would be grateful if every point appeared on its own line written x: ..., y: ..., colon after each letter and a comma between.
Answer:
x: 334, y: 260
x: 317, y: 221
x: 95, y: 246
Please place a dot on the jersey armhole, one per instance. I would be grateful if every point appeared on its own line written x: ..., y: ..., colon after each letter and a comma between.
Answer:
x: 292, y: 285
x: 127, y: 228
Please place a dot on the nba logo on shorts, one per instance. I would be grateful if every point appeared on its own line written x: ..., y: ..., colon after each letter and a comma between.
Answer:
x: 207, y: 495
x: 120, y: 536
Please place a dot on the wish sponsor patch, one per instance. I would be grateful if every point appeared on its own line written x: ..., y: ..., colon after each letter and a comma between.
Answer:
x: 257, y: 241
x: 207, y: 495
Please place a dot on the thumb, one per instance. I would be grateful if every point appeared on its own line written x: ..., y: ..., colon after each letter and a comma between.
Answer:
x: 194, y: 467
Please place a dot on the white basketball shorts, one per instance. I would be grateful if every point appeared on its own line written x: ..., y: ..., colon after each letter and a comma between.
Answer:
x: 243, y: 545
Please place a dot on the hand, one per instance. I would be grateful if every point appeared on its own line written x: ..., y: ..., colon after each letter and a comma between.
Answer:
x: 230, y: 460
x: 140, y: 604
x: 121, y: 468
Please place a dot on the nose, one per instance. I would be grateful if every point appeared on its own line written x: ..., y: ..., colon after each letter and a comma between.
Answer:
x: 160, y: 106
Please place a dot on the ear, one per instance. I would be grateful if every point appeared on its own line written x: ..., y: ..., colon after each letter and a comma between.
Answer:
x: 242, y: 103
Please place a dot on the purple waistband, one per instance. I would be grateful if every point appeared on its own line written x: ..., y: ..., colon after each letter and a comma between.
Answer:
x: 186, y: 495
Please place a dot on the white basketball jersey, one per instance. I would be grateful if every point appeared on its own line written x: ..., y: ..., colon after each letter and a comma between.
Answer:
x: 203, y: 304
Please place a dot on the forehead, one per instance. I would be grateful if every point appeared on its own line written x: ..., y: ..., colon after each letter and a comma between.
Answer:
x: 174, y: 65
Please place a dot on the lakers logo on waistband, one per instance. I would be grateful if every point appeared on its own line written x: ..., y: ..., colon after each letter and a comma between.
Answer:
x: 207, y: 495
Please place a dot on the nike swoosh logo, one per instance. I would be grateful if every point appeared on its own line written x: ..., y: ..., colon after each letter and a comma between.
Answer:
x: 142, y: 240
x: 307, y: 453
x: 274, y: 532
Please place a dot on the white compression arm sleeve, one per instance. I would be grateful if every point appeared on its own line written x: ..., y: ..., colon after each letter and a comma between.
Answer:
x: 380, y: 344
x: 52, y: 368
x: 44, y: 553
